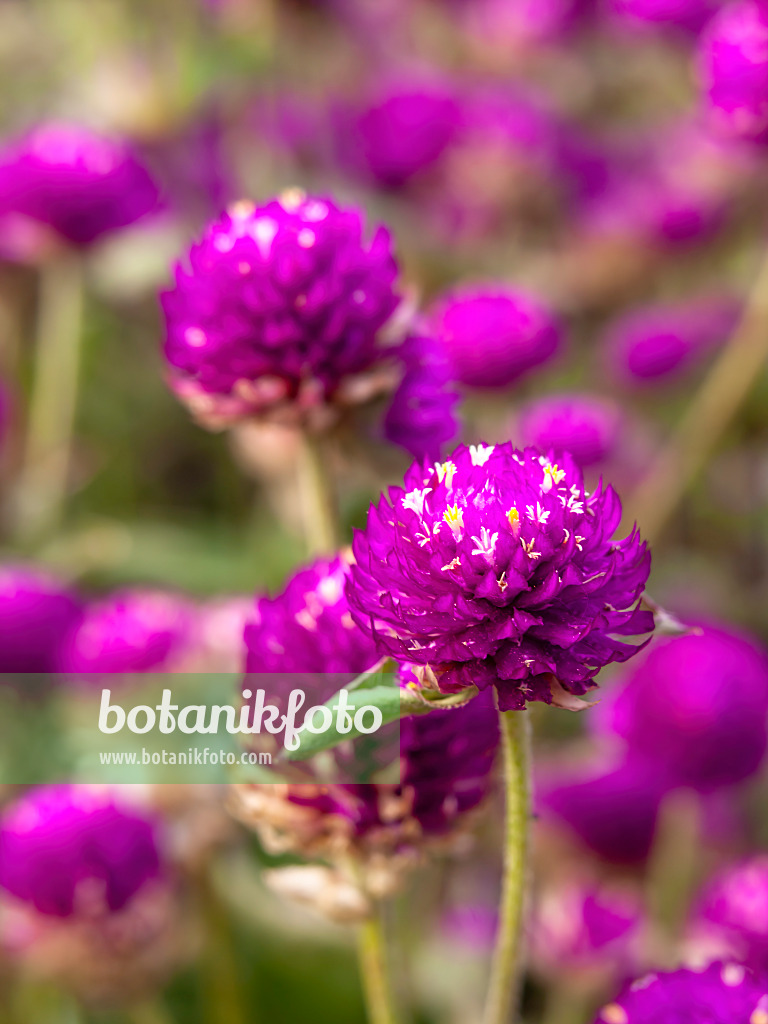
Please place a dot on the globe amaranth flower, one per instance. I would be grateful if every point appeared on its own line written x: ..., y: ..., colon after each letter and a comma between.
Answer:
x: 731, y: 913
x: 130, y: 631
x: 579, y: 925
x: 725, y: 993
x: 498, y: 568
x: 420, y: 416
x: 37, y: 611
x: 664, y: 341
x: 446, y: 757
x: 733, y: 67
x: 88, y: 901
x: 587, y: 426
x: 280, y: 309
x: 81, y: 184
x: 493, y: 335
x: 697, y: 705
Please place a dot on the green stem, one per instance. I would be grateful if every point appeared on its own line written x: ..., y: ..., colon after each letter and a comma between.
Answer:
x: 506, y: 966
x: 221, y: 981
x: 316, y: 495
x: 43, y: 481
x: 374, y: 972
x: 152, y: 1012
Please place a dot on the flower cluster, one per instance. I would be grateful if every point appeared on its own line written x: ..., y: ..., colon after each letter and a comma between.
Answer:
x: 497, y: 567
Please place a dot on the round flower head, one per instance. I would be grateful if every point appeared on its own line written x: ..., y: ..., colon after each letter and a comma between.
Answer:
x: 587, y: 426
x: 497, y: 567
x: 611, y: 810
x: 37, y: 611
x: 664, y: 341
x: 81, y: 184
x: 579, y: 925
x: 131, y: 631
x: 697, y: 705
x: 66, y: 850
x: 732, y: 911
x: 494, y: 335
x: 280, y: 308
x: 402, y: 132
x: 733, y: 63
x: 725, y: 993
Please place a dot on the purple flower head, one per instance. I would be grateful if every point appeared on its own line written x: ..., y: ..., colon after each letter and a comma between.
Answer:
x: 611, y: 810
x: 420, y: 417
x: 403, y: 131
x: 580, y: 924
x: 697, y: 705
x: 66, y: 850
x: 733, y: 66
x: 36, y: 613
x: 725, y: 993
x: 80, y: 184
x: 690, y: 15
x: 130, y: 631
x: 492, y: 335
x: 280, y: 306
x: 732, y: 911
x: 308, y: 627
x: 587, y: 426
x: 497, y: 567
x: 664, y: 341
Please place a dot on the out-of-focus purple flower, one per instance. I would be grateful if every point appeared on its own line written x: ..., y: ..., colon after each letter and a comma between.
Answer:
x: 497, y: 568
x: 587, y: 426
x: 81, y: 184
x: 221, y: 633
x: 36, y: 613
x: 66, y: 850
x: 733, y: 63
x: 516, y: 26
x: 725, y: 993
x: 673, y: 188
x: 612, y: 810
x: 130, y: 631
x: 731, y: 914
x: 402, y: 131
x: 493, y: 335
x: 280, y: 308
x: 697, y: 705
x: 471, y: 925
x: 420, y: 417
x: 578, y: 925
x: 308, y: 627
x: 664, y: 341
x: 690, y: 15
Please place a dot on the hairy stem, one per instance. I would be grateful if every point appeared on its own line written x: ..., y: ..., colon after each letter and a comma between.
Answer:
x: 713, y: 407
x: 42, y: 487
x: 374, y: 972
x: 506, y: 966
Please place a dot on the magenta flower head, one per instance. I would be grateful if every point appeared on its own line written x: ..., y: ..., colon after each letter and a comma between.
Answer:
x: 81, y: 184
x: 130, y: 631
x: 578, y: 925
x: 496, y: 567
x: 732, y: 912
x: 733, y: 66
x: 725, y: 993
x: 280, y: 309
x: 663, y: 342
x: 494, y: 335
x: 37, y: 611
x: 587, y: 426
x: 69, y: 850
x: 697, y: 705
x: 402, y: 132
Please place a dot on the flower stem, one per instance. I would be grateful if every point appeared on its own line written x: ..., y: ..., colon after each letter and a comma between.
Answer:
x: 713, y: 406
x: 42, y: 485
x: 374, y: 972
x: 506, y: 966
x: 220, y: 978
x: 317, y: 499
